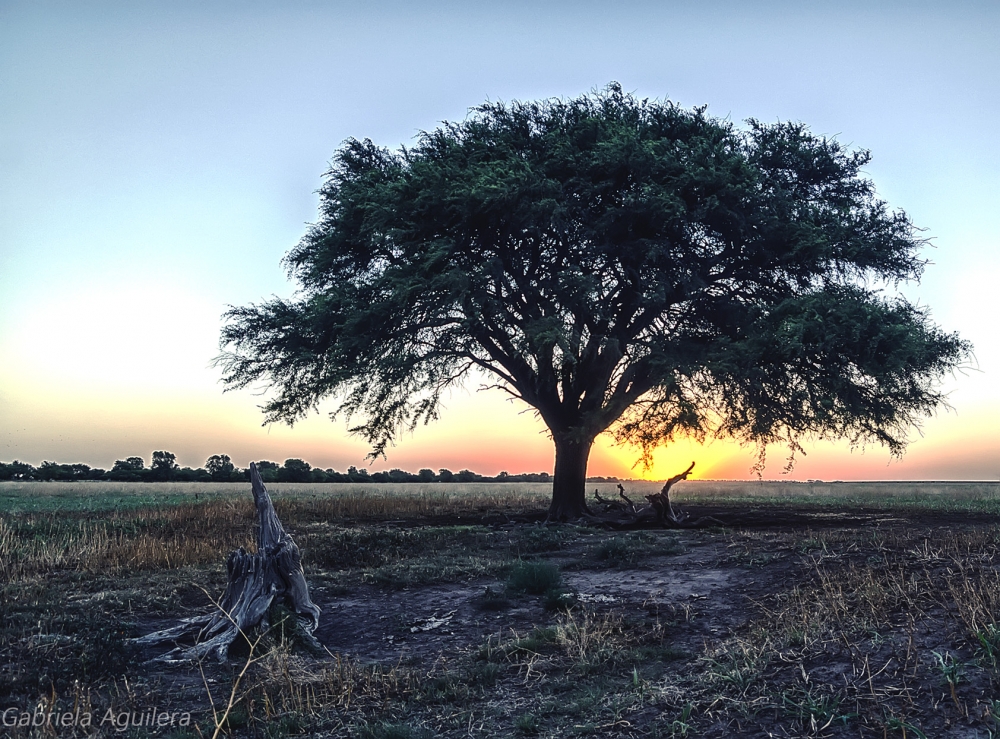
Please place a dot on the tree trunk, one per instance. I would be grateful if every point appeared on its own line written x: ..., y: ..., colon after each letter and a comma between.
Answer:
x: 570, y: 480
x: 256, y: 580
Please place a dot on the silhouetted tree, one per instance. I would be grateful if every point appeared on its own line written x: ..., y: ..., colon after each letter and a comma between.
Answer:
x: 66, y: 472
x: 616, y: 264
x: 220, y: 467
x: 163, y: 466
x: 356, y: 475
x: 398, y: 475
x: 131, y: 464
x: 295, y: 470
x: 52, y: 471
x: 16, y: 471
x: 191, y: 474
x: 130, y: 469
x: 268, y: 471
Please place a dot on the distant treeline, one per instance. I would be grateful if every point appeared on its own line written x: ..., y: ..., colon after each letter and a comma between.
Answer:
x: 220, y: 468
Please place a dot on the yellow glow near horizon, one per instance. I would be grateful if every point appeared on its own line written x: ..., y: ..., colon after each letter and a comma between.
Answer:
x: 670, y: 459
x: 108, y: 376
x: 58, y: 415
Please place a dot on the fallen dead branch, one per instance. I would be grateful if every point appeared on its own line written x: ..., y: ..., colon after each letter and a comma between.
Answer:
x: 621, y: 514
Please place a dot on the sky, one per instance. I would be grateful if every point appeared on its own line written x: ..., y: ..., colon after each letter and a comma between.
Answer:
x: 157, y: 160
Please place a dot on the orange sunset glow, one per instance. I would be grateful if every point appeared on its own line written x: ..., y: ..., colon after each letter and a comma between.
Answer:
x: 157, y: 164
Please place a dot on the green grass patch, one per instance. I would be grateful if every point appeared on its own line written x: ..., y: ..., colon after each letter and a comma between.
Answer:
x: 534, y: 578
x: 629, y: 550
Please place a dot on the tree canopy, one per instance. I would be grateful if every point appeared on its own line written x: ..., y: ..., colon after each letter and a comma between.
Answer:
x: 617, y: 264
x: 220, y: 466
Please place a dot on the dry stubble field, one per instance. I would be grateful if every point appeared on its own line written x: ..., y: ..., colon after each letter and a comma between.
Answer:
x: 451, y: 611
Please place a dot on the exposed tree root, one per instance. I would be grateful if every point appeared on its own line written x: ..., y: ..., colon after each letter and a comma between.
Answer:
x: 273, y: 574
x: 624, y: 514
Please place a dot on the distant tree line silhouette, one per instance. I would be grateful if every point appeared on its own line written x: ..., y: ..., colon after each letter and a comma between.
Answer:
x: 220, y: 468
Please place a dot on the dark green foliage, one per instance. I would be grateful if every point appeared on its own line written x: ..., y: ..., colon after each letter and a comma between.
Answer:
x: 295, y: 470
x: 164, y: 466
x: 356, y: 475
x: 268, y: 471
x: 988, y: 647
x: 372, y: 546
x: 132, y: 464
x: 537, y: 640
x: 615, y: 263
x: 631, y: 549
x: 16, y: 471
x: 538, y: 539
x: 483, y: 674
x: 534, y: 578
x: 132, y: 469
x: 398, y: 558
x: 526, y: 723
x: 62, y: 472
x: 220, y: 467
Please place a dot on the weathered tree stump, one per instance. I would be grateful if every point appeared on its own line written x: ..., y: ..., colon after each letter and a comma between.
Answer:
x: 272, y: 574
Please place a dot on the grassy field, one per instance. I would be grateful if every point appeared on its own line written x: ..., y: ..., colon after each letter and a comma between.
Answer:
x: 450, y: 610
x: 419, y: 498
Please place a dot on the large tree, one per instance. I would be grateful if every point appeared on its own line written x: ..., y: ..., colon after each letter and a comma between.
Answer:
x: 618, y: 264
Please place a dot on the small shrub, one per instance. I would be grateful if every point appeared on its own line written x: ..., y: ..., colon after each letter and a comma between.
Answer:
x: 537, y: 640
x: 526, y: 723
x: 951, y: 671
x: 556, y: 600
x: 483, y: 674
x: 539, y: 539
x: 681, y: 725
x: 621, y: 550
x: 988, y: 651
x: 631, y: 549
x: 815, y: 708
x: 534, y: 578
x: 238, y: 718
x: 445, y: 687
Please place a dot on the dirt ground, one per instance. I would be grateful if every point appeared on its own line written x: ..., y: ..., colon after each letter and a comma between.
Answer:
x: 790, y: 622
x: 718, y: 575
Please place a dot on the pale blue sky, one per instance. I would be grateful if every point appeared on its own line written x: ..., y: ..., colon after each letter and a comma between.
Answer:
x: 158, y: 159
